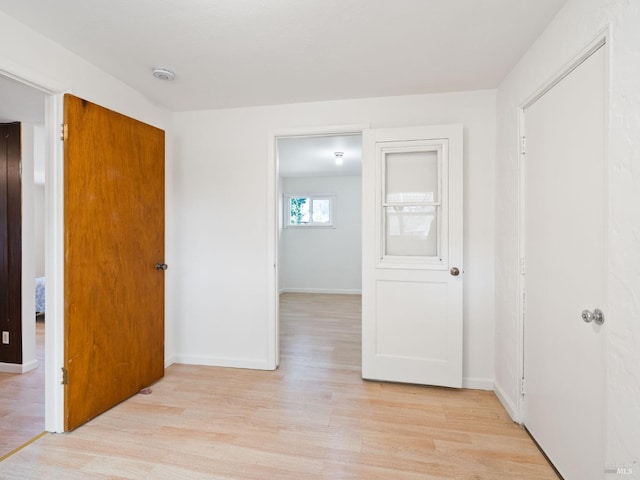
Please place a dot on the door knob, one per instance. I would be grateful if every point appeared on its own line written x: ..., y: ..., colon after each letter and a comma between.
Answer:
x: 455, y: 271
x: 161, y: 266
x: 596, y: 316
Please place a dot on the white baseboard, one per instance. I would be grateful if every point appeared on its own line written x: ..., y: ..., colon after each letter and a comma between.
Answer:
x: 506, y: 402
x: 18, y: 367
x: 332, y: 291
x: 477, y: 383
x: 170, y: 360
x: 250, y: 363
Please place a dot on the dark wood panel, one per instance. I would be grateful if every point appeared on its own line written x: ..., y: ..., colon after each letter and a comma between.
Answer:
x: 114, y: 236
x: 11, y: 242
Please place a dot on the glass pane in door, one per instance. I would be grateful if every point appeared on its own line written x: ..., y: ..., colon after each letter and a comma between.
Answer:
x: 411, y: 177
x: 411, y: 231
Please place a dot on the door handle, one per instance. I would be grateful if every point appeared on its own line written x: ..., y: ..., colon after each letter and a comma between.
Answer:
x: 161, y: 266
x: 455, y: 271
x: 596, y: 316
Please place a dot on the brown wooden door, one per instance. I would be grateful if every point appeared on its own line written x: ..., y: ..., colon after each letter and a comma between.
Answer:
x: 114, y: 236
x: 10, y: 243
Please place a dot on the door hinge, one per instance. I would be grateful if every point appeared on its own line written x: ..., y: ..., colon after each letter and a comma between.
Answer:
x: 64, y: 133
x: 523, y: 266
x: 522, y: 386
x: 523, y: 145
x: 65, y: 376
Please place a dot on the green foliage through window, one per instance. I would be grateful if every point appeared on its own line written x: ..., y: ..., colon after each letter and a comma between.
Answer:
x: 314, y: 211
x: 298, y: 210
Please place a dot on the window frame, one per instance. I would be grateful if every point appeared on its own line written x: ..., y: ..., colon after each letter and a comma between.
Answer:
x: 440, y: 260
x: 287, y: 212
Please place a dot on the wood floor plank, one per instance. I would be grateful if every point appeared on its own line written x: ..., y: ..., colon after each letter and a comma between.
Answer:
x: 314, y: 419
x: 22, y: 401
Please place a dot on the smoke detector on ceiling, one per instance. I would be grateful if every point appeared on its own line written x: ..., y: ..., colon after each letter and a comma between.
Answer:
x: 163, y: 74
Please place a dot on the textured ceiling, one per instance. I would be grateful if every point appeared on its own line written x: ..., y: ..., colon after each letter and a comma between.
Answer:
x: 230, y: 53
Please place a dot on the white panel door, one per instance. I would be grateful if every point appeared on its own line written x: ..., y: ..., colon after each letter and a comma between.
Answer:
x: 412, y: 255
x: 565, y: 240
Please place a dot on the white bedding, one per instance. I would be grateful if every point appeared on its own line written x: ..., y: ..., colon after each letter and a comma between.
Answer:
x: 40, y: 295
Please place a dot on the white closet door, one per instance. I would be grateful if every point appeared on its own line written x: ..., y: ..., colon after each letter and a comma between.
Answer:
x: 565, y: 237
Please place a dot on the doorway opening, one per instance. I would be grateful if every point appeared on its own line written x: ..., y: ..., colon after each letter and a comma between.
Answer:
x: 23, y: 380
x: 317, y: 220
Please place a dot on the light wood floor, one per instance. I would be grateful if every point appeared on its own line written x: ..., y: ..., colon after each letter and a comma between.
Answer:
x: 22, y: 401
x: 313, y: 418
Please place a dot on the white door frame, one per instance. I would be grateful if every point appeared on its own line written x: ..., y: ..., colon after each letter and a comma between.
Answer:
x: 273, y: 214
x: 53, y: 231
x: 601, y: 40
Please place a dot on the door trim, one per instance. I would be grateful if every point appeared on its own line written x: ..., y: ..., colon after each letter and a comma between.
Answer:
x: 273, y: 350
x: 601, y: 40
x: 54, y: 265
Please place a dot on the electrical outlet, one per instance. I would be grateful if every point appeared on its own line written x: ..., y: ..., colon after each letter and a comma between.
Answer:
x: 5, y: 338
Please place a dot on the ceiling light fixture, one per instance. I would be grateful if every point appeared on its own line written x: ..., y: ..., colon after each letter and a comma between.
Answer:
x: 163, y: 74
x: 338, y: 157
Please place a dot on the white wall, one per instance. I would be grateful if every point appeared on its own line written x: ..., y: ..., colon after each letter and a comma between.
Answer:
x: 39, y: 143
x: 574, y: 27
x: 29, y: 361
x: 324, y: 260
x: 221, y: 256
x: 39, y: 153
x: 38, y: 229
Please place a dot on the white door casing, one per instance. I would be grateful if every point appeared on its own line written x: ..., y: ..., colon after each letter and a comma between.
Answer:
x: 565, y: 206
x: 412, y: 241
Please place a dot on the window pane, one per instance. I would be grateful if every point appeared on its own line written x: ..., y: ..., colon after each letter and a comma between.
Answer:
x: 321, y: 211
x: 298, y: 210
x: 412, y: 177
x: 412, y: 231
